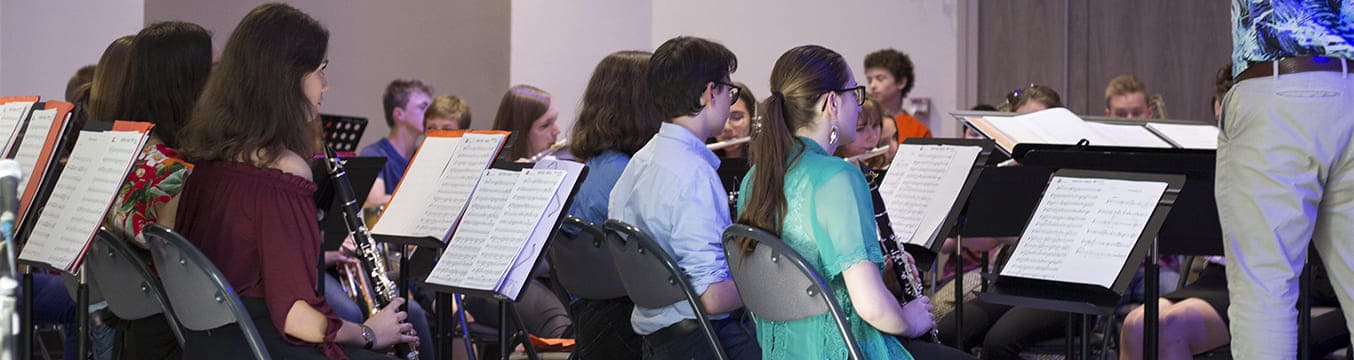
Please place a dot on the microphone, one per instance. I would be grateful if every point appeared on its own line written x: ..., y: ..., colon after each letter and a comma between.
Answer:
x: 10, y: 176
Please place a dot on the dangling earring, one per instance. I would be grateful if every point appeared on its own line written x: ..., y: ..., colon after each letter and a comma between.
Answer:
x: 832, y: 136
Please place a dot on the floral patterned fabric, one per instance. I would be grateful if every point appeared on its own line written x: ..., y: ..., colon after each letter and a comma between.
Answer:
x: 1268, y: 30
x: 155, y: 179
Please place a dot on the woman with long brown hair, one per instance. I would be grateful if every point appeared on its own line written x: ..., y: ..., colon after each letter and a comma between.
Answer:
x: 248, y: 206
x: 616, y: 120
x: 820, y: 205
x: 529, y: 113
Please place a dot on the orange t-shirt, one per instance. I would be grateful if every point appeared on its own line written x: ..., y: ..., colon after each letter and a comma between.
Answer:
x: 910, y: 127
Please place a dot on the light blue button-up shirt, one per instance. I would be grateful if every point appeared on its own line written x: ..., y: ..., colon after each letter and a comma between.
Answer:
x: 671, y: 191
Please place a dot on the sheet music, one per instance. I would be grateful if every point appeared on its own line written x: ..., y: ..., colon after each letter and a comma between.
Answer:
x: 1188, y: 136
x: 82, y: 195
x: 922, y: 186
x: 1084, y: 229
x: 459, y: 179
x: 1126, y: 135
x: 411, y: 200
x: 522, y: 266
x: 30, y: 148
x: 516, y: 224
x: 1060, y: 126
x: 485, y: 207
x: 11, y: 116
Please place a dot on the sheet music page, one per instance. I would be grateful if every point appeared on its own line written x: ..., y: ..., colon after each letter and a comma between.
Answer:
x: 457, y: 182
x: 82, y: 195
x: 514, y: 228
x: 921, y: 187
x: 1084, y: 229
x: 1052, y: 126
x: 1126, y: 135
x: 411, y: 200
x: 1188, y: 136
x: 522, y: 267
x: 30, y: 148
x: 458, y: 260
x: 11, y: 116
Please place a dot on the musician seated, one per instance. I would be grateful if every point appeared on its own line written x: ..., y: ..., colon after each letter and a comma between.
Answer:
x: 1030, y: 99
x: 249, y: 206
x: 739, y: 124
x: 447, y: 112
x: 150, y: 192
x: 1193, y: 319
x: 615, y: 120
x: 1126, y: 97
x: 820, y: 205
x: 670, y: 190
x: 890, y: 76
x: 529, y: 113
x: 404, y: 102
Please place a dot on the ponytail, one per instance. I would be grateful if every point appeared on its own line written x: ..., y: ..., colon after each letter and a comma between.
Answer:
x: 799, y: 78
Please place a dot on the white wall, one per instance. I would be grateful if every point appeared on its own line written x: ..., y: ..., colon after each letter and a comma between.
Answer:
x: 759, y: 31
x: 42, y: 43
x: 459, y: 47
x: 556, y: 45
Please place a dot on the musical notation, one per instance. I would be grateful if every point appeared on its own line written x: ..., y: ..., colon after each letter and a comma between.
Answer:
x: 1084, y: 230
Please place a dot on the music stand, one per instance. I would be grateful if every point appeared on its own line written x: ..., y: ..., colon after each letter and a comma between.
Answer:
x: 362, y: 172
x: 1192, y: 227
x: 507, y: 337
x: 1086, y: 299
x: 342, y: 133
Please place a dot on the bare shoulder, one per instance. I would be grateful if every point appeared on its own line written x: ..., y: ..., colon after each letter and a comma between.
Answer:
x: 291, y: 163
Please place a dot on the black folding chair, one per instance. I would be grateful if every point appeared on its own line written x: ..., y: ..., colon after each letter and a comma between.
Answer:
x: 125, y: 281
x: 777, y: 284
x: 651, y: 277
x: 199, y: 295
x: 582, y: 262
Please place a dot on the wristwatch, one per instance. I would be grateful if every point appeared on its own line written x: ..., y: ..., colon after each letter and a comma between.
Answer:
x: 368, y: 336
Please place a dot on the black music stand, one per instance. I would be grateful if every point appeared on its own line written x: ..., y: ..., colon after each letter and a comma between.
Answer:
x: 362, y: 172
x: 1001, y: 203
x: 1191, y: 228
x: 507, y: 337
x: 342, y: 133
x: 1090, y: 299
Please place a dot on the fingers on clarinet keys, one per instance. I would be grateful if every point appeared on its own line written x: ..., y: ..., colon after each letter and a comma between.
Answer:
x: 390, y: 327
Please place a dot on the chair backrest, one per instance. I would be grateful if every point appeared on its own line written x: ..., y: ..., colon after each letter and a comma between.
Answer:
x: 199, y: 295
x: 651, y: 277
x: 126, y: 281
x: 583, y: 263
x: 777, y: 284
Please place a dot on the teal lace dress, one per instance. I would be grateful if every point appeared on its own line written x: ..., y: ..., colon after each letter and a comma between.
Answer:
x: 829, y: 221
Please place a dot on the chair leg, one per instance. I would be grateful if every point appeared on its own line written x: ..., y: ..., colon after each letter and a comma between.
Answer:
x: 522, y: 333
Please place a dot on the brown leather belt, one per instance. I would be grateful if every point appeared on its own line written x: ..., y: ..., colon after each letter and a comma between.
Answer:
x: 1294, y: 65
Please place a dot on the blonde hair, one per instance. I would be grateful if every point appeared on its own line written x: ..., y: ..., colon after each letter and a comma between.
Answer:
x: 450, y: 107
x: 1124, y: 85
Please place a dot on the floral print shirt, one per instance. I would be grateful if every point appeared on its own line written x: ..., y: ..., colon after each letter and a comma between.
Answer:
x: 1268, y: 30
x: 155, y: 179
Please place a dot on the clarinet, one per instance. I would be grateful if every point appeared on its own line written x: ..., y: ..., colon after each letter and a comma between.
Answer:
x: 367, y: 253
x: 888, y: 240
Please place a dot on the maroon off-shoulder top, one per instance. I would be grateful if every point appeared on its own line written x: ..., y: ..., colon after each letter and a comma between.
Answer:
x: 258, y: 226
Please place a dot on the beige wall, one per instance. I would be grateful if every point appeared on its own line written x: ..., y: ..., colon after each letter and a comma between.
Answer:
x: 759, y: 31
x: 459, y: 47
x: 556, y: 44
x: 42, y: 43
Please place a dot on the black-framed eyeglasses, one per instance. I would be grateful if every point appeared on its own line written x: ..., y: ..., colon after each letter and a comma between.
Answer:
x: 733, y: 91
x: 858, y: 91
